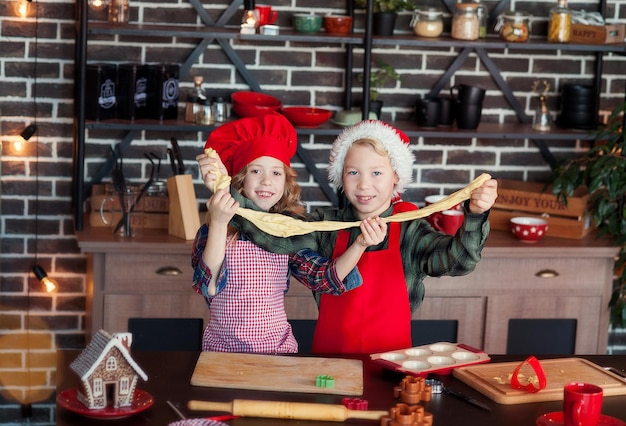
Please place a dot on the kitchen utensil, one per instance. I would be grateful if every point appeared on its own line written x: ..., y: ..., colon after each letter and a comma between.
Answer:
x: 582, y: 404
x: 437, y: 386
x: 436, y: 358
x: 179, y: 156
x: 338, y: 24
x: 307, y: 23
x: 448, y: 221
x: 171, y: 156
x: 529, y: 229
x: 286, y: 410
x: 271, y: 372
x: 492, y: 380
x: 137, y: 199
x: 306, y: 116
x: 250, y: 104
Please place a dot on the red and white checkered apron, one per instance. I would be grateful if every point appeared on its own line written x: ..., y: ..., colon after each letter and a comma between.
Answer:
x: 248, y: 315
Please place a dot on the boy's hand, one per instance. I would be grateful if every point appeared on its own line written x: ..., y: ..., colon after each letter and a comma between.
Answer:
x: 208, y: 167
x: 221, y: 207
x: 373, y: 231
x: 484, y: 197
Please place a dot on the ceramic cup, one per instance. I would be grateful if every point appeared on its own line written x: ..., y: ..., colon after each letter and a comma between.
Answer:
x: 466, y: 94
x: 265, y: 15
x: 448, y: 221
x: 446, y: 112
x: 432, y: 199
x: 307, y: 23
x: 427, y: 111
x: 468, y: 116
x: 582, y: 404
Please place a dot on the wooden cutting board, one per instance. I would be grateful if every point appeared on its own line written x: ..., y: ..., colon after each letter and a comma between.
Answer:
x: 276, y: 372
x: 484, y: 378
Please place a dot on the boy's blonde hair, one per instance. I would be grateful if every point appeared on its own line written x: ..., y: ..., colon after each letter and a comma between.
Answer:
x: 386, y: 140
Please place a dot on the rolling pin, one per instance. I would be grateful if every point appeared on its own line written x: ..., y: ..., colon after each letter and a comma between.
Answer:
x: 286, y: 410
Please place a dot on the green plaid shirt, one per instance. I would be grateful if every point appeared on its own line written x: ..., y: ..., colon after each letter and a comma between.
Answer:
x: 424, y: 251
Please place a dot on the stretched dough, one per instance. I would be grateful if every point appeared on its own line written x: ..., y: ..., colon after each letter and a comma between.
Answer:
x: 280, y: 225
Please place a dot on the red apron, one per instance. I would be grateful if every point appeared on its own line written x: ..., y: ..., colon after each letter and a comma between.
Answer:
x: 375, y: 317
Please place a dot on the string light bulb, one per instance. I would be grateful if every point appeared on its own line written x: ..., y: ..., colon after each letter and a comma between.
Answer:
x: 49, y: 284
x: 97, y: 4
x: 22, y: 9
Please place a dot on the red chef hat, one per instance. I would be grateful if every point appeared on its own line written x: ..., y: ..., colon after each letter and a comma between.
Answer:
x: 240, y: 142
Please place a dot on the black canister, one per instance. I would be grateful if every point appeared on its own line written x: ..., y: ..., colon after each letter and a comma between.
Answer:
x: 164, y: 79
x: 100, y: 91
x: 132, y: 93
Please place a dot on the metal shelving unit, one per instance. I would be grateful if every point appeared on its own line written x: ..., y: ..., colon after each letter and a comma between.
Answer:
x: 217, y: 31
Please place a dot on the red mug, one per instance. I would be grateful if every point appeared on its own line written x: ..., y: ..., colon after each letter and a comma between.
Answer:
x: 582, y: 404
x: 448, y: 221
x: 265, y: 15
x: 432, y: 199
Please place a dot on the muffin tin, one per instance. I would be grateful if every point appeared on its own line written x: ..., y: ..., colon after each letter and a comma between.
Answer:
x: 435, y: 358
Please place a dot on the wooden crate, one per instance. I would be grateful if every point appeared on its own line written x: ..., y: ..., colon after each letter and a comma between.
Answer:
x: 558, y: 226
x: 530, y: 197
x: 518, y: 198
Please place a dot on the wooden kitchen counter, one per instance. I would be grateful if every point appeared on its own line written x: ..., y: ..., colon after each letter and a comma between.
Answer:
x: 553, y: 278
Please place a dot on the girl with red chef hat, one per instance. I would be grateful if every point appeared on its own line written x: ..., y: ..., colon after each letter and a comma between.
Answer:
x: 245, y: 285
x: 372, y: 163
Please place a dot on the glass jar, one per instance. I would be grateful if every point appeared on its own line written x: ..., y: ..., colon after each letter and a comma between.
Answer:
x: 513, y: 27
x: 118, y: 11
x: 483, y: 15
x: 206, y: 114
x: 465, y: 22
x: 560, y: 23
x: 196, y: 97
x: 427, y: 22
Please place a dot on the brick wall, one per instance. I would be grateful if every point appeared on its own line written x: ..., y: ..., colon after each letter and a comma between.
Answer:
x: 35, y: 193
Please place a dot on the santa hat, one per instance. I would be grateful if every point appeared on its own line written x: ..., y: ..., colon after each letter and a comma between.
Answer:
x: 242, y: 141
x: 394, y: 141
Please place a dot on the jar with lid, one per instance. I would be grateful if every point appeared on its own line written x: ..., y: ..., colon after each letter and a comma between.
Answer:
x: 513, y: 26
x: 195, y: 99
x: 483, y: 15
x: 118, y: 11
x: 222, y: 109
x: 465, y: 22
x: 206, y: 114
x: 560, y: 23
x: 427, y: 22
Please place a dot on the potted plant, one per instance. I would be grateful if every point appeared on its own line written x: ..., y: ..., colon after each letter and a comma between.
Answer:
x: 379, y: 76
x: 602, y: 169
x: 385, y: 14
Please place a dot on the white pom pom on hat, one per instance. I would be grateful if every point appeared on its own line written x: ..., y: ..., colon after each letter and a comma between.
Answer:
x: 394, y: 141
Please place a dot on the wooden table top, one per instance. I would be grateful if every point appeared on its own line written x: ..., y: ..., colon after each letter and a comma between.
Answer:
x: 170, y: 373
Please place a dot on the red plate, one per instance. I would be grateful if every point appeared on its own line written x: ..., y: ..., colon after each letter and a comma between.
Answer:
x: 556, y: 419
x: 141, y: 401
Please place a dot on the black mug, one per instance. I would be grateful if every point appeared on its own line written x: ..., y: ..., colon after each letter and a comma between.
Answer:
x: 427, y: 112
x: 468, y: 116
x: 446, y: 112
x: 466, y: 94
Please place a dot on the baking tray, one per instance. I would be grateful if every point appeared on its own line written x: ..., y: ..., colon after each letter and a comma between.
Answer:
x: 435, y: 358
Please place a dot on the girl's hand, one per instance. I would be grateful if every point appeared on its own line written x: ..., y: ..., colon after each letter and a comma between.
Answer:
x: 483, y: 198
x: 208, y: 166
x: 221, y: 208
x: 373, y: 231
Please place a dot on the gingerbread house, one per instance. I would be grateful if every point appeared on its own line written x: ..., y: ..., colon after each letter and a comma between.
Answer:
x: 107, y: 372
